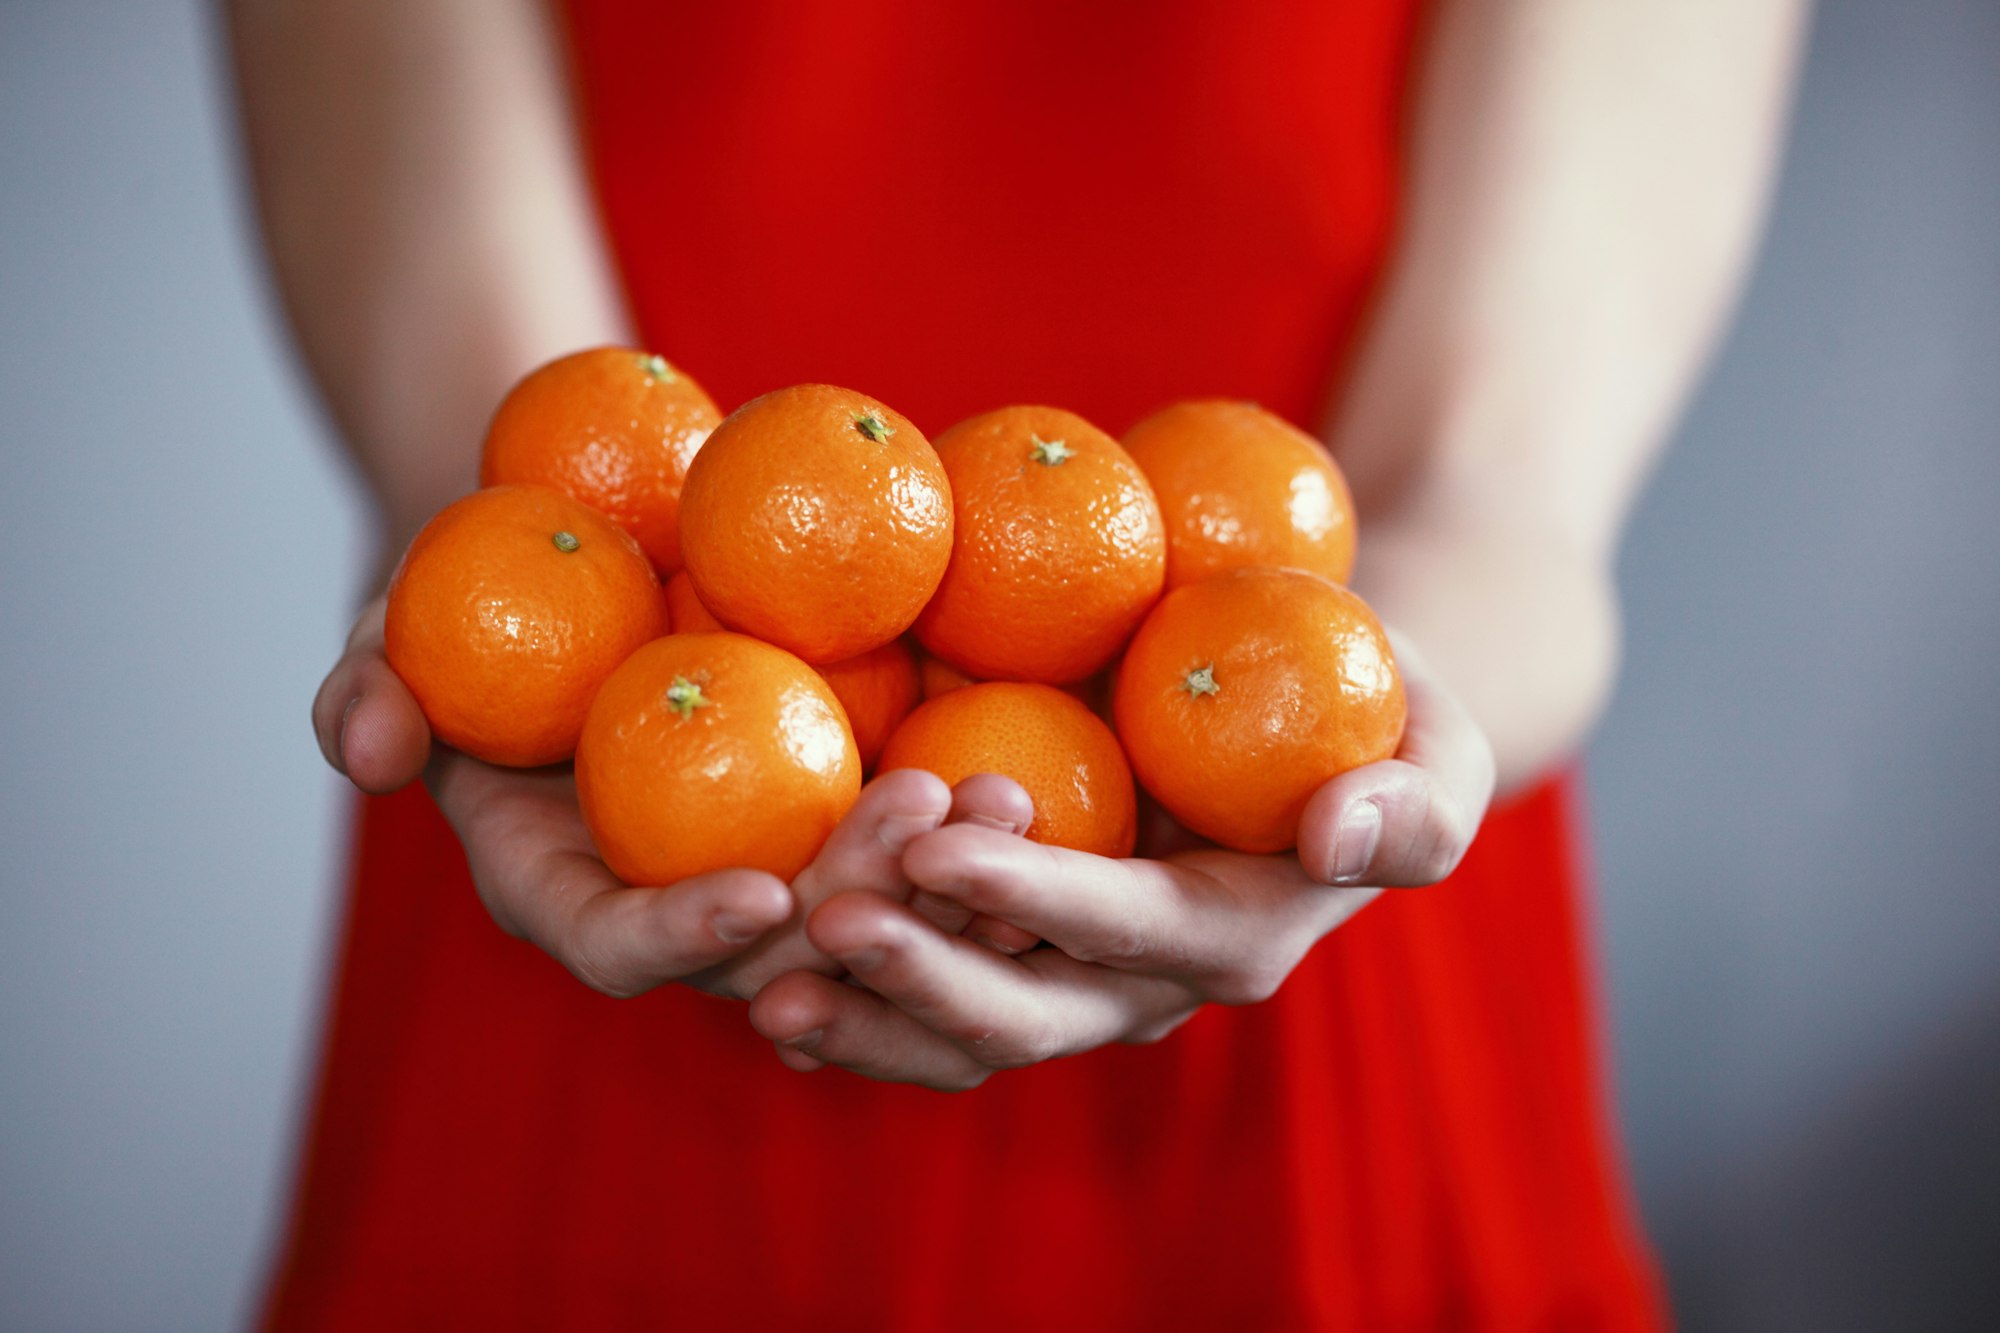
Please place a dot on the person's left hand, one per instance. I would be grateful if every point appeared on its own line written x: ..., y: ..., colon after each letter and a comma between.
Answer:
x: 1139, y: 945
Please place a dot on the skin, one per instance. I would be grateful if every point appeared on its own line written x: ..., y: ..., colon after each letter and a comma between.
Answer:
x: 1586, y: 181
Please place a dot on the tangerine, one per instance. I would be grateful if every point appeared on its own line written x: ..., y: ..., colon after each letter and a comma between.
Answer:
x: 509, y: 609
x: 1066, y: 759
x: 689, y: 615
x: 877, y: 689
x: 1243, y: 693
x: 614, y: 427
x: 1239, y: 485
x: 1058, y: 551
x: 939, y: 677
x: 817, y: 519
x: 704, y: 751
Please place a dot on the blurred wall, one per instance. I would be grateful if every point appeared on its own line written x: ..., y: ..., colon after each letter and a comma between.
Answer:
x: 177, y: 551
x: 1798, y: 787
x: 1795, y: 789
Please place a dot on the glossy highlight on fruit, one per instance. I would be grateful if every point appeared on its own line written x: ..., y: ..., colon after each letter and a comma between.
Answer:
x: 1059, y: 549
x: 705, y: 751
x: 818, y: 519
x: 1058, y: 750
x: 1241, y: 486
x: 1243, y: 693
x: 507, y: 612
x: 614, y: 427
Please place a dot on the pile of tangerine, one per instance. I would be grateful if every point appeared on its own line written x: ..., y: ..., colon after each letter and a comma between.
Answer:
x: 843, y: 594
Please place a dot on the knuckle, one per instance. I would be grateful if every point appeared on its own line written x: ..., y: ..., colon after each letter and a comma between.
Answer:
x: 1133, y: 938
x: 1017, y: 1050
x: 962, y: 1081
x: 1123, y: 946
x: 585, y: 954
x: 1152, y: 1034
x: 1444, y: 840
x: 1252, y: 983
x: 601, y: 976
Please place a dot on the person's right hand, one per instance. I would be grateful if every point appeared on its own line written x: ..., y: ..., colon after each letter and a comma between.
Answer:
x: 532, y: 861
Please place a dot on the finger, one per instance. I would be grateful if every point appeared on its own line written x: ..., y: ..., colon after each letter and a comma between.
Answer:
x: 540, y: 880
x: 814, y: 1021
x: 1233, y: 924
x: 367, y: 722
x: 1407, y: 820
x: 994, y: 933
x: 865, y: 850
x: 989, y: 800
x: 864, y: 853
x: 624, y: 941
x: 997, y: 1010
x: 797, y: 1059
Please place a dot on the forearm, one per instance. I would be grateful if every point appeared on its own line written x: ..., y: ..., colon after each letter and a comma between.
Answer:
x: 426, y: 218
x: 1585, y: 186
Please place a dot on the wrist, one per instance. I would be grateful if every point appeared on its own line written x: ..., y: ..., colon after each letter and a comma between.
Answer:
x: 1515, y: 617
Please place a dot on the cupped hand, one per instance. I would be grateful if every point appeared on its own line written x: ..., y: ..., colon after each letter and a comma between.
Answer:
x: 538, y: 875
x: 1139, y: 945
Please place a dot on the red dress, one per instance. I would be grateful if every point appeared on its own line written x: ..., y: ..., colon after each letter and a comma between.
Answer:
x: 954, y: 207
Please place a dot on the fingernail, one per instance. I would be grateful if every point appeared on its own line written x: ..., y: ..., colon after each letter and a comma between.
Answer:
x: 897, y: 831
x: 805, y: 1041
x: 731, y: 928
x: 1355, y: 840
x: 988, y: 821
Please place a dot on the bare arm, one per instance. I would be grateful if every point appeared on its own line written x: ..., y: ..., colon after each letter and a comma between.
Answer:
x: 432, y: 237
x: 426, y: 218
x: 1586, y: 184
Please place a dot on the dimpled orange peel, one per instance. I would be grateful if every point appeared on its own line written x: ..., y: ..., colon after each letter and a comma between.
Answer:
x: 507, y: 612
x: 1241, y: 486
x: 705, y: 751
x: 1059, y: 549
x: 817, y: 519
x: 1243, y: 693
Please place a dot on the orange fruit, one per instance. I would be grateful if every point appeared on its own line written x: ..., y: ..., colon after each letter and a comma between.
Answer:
x: 939, y: 677
x: 877, y: 689
x: 689, y: 615
x: 507, y: 612
x: 1241, y: 486
x: 817, y: 519
x: 1058, y: 552
x: 614, y: 427
x: 705, y: 751
x: 1058, y: 750
x: 1243, y: 693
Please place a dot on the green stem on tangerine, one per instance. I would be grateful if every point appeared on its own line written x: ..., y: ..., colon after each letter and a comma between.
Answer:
x: 657, y: 367
x: 1051, y: 452
x: 1201, y: 681
x: 565, y: 542
x: 870, y: 423
x: 684, y: 696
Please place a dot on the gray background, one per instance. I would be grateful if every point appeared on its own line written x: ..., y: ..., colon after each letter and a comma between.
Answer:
x: 1797, y: 792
